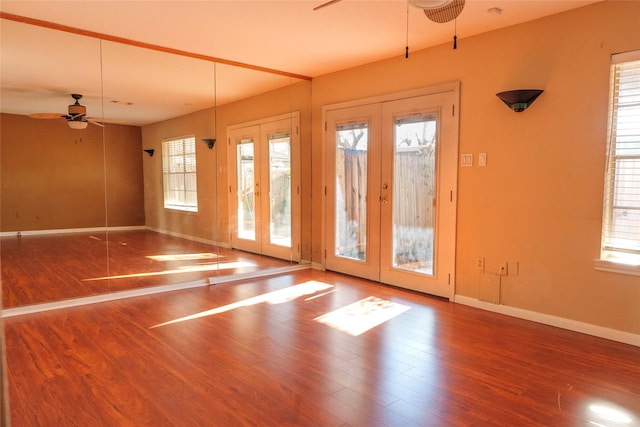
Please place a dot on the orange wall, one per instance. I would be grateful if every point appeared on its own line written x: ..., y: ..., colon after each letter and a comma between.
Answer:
x: 539, y: 199
x: 53, y: 177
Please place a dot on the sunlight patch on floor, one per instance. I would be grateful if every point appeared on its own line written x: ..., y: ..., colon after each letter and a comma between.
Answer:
x: 182, y: 257
x: 276, y: 297
x: 181, y: 270
x: 361, y: 316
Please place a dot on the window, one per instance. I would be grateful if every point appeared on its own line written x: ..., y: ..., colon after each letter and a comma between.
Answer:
x: 179, y: 174
x: 621, y: 219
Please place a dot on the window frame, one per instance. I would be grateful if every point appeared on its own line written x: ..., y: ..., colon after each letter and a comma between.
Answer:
x: 614, y: 256
x: 184, y: 158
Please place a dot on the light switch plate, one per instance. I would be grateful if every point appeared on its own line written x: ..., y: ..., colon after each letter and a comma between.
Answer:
x: 482, y: 159
x: 466, y: 160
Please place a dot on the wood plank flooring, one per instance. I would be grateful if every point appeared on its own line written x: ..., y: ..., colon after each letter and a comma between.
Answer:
x: 44, y: 268
x: 253, y: 354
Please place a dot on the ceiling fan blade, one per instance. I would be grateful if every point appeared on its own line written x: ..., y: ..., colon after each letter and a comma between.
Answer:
x: 46, y: 116
x: 93, y: 122
x: 329, y: 3
x: 104, y: 120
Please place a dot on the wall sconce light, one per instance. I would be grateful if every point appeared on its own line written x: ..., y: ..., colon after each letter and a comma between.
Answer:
x: 210, y: 142
x: 519, y: 100
x: 150, y: 152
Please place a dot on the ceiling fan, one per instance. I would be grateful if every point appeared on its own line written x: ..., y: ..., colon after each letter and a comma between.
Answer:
x: 439, y: 11
x: 76, y: 117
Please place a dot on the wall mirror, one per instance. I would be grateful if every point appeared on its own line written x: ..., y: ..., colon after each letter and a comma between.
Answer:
x: 70, y: 196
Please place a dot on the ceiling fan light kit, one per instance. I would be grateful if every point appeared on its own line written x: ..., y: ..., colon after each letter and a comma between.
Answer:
x: 77, y: 124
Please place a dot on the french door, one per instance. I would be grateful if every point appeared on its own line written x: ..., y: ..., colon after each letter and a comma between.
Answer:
x: 264, y: 187
x: 391, y: 191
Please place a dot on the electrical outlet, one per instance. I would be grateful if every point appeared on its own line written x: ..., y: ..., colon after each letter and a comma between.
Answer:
x: 503, y: 269
x: 480, y: 263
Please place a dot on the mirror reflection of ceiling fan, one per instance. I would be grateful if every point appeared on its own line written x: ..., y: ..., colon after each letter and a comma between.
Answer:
x: 439, y: 11
x: 77, y: 115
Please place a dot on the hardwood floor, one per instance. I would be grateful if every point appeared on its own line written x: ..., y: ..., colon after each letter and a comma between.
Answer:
x: 53, y: 267
x: 254, y: 354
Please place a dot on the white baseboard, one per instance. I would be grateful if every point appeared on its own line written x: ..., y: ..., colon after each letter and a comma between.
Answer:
x: 192, y: 238
x: 71, y: 230
x: 150, y: 290
x: 94, y: 299
x: 547, y: 319
x: 103, y: 229
x: 317, y: 266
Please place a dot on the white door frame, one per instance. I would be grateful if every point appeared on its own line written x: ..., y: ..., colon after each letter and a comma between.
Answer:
x: 294, y: 254
x: 450, y: 165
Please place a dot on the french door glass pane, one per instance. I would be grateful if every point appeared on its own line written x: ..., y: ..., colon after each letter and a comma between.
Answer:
x: 280, y: 189
x: 351, y: 190
x: 246, y: 190
x: 413, y: 192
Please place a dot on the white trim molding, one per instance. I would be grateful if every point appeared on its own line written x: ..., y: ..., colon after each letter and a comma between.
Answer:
x: 94, y: 299
x: 149, y: 290
x: 189, y: 237
x: 71, y: 230
x: 616, y: 267
x: 547, y: 319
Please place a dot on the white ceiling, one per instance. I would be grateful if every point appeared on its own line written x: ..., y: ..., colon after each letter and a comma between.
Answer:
x: 41, y: 67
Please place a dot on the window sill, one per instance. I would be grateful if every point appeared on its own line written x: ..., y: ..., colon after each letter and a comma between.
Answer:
x: 181, y: 210
x: 617, y: 267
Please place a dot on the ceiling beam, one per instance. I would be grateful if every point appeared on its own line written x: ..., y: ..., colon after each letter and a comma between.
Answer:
x: 121, y: 40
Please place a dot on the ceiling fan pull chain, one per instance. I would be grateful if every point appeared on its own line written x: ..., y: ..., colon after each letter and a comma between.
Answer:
x: 406, y: 49
x: 455, y: 36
